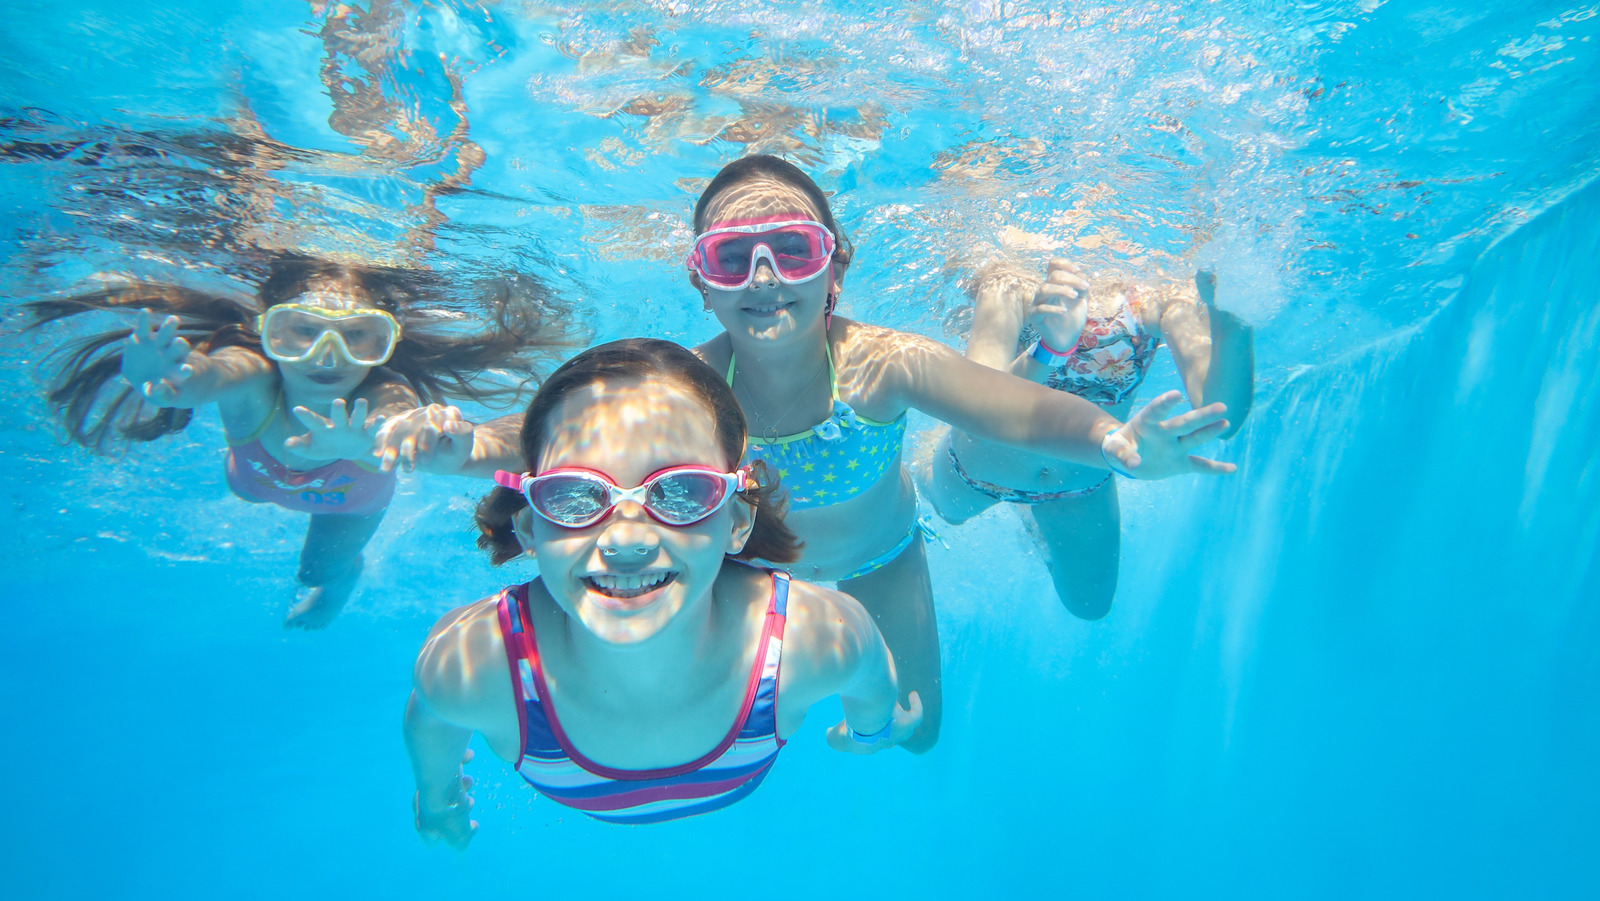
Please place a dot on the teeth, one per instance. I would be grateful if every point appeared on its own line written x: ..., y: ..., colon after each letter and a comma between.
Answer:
x: 628, y: 583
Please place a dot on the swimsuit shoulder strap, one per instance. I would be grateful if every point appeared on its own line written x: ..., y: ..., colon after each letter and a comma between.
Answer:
x: 833, y: 380
x: 733, y: 360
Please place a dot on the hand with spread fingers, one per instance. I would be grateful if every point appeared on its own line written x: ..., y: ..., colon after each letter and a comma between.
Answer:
x: 434, y: 438
x: 1151, y: 446
x: 337, y: 436
x: 155, y: 359
x: 1060, y: 308
x: 905, y: 722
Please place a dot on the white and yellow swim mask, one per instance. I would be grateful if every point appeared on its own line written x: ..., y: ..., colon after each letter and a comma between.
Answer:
x: 293, y: 333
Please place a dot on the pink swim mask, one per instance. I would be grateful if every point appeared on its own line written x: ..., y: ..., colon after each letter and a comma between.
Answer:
x: 798, y: 250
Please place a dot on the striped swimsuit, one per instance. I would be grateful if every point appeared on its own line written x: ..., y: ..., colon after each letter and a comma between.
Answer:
x: 724, y: 775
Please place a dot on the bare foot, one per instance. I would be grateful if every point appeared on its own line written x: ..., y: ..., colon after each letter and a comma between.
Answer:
x: 321, y: 603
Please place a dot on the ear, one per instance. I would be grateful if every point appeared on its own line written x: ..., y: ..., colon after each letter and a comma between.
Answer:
x: 744, y: 522
x: 522, y: 525
x: 839, y: 267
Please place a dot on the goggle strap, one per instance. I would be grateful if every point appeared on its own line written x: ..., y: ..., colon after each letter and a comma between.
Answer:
x: 508, y: 480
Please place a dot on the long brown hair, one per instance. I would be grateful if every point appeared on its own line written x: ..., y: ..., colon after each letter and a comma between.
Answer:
x: 525, y: 329
x: 637, y: 360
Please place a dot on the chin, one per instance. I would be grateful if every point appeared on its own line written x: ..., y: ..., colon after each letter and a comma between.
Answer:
x: 631, y: 623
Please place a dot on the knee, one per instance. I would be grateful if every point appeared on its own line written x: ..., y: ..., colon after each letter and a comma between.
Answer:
x: 1090, y: 602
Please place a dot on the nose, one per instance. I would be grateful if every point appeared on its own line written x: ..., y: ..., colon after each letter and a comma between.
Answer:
x: 764, y: 275
x: 628, y: 535
x: 324, y: 355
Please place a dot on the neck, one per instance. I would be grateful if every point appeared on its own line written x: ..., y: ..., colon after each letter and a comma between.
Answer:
x: 661, y: 666
x: 773, y: 368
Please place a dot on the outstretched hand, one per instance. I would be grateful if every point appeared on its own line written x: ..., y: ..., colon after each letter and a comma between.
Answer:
x: 434, y: 437
x: 1150, y: 446
x: 1060, y: 308
x: 453, y: 824
x: 337, y: 436
x: 906, y: 721
x: 154, y: 359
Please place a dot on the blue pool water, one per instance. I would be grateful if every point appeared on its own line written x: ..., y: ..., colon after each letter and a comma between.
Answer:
x: 1366, y: 665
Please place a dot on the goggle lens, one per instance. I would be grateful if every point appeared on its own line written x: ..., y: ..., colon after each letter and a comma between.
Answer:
x: 685, y: 497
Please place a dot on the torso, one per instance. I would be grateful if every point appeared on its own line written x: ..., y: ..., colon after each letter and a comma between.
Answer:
x: 710, y: 743
x: 841, y: 533
x: 261, y: 469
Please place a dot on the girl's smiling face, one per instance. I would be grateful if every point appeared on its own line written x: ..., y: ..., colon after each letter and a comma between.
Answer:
x: 767, y: 309
x: 627, y: 577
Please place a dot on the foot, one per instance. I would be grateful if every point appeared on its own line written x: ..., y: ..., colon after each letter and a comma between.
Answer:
x: 319, y: 604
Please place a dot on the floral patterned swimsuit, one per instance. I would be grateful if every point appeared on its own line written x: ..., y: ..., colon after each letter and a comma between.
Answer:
x: 1110, y: 362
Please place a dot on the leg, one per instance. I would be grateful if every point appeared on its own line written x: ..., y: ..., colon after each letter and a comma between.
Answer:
x: 1082, y: 539
x: 330, y: 563
x: 900, y: 598
x: 940, y: 485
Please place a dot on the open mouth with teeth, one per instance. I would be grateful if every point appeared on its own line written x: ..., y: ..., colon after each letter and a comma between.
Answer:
x: 768, y: 310
x: 626, y: 591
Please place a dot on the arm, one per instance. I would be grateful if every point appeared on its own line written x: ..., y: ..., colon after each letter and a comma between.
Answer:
x: 1214, y: 350
x: 458, y: 688
x: 1004, y: 303
x: 832, y: 647
x: 167, y: 372
x: 998, y: 407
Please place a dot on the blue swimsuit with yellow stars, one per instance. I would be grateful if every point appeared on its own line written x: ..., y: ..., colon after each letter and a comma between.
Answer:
x: 834, y: 460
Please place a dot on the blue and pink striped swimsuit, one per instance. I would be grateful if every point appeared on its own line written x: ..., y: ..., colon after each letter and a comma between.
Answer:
x: 724, y: 775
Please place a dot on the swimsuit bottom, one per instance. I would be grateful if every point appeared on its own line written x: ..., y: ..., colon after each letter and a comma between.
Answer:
x: 1020, y: 495
x: 920, y: 527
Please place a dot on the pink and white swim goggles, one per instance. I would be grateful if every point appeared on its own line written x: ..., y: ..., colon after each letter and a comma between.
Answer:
x: 576, y: 498
x: 798, y: 250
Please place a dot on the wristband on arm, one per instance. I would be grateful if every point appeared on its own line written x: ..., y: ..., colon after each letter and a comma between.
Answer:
x: 868, y: 741
x: 1047, y: 355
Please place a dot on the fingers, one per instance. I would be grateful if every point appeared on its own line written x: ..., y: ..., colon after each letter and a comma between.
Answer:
x: 1202, y: 435
x: 161, y: 392
x: 914, y: 710
x: 1156, y: 411
x: 467, y: 757
x: 313, y: 420
x: 167, y: 332
x: 1194, y: 419
x: 358, y: 413
x: 1209, y: 467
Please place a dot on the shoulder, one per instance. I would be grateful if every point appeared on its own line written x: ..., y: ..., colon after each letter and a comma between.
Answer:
x: 826, y: 632
x: 883, y: 362
x: 461, y: 668
x: 716, y: 352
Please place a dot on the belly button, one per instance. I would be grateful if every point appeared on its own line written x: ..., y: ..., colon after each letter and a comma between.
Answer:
x: 1044, y: 473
